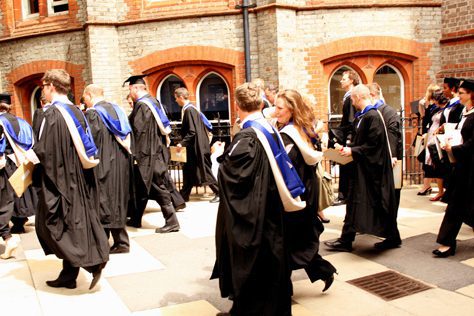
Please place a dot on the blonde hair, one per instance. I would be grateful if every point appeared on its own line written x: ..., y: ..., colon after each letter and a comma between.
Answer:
x: 182, y: 92
x: 303, y: 113
x: 429, y: 92
x: 248, y: 97
x: 94, y: 90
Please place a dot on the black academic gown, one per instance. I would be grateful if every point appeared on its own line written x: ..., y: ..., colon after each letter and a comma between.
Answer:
x: 150, y: 153
x: 25, y: 205
x: 198, y: 167
x: 461, y: 201
x: 371, y: 205
x: 38, y: 116
x: 251, y: 260
x: 303, y: 228
x: 6, y: 200
x: 67, y: 222
x: 113, y: 171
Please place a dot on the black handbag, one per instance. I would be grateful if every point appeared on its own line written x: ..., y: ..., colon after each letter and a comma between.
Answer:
x: 421, y: 156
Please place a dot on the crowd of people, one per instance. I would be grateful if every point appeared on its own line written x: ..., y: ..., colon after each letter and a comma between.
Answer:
x: 94, y: 173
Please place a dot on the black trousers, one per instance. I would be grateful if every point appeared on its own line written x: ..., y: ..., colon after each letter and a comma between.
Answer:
x: 344, y: 174
x: 119, y: 235
x: 158, y: 192
x: 449, y: 228
x: 70, y: 273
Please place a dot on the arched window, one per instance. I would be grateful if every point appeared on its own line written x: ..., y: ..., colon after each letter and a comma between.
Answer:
x: 165, y: 94
x: 336, y: 93
x: 391, y: 82
x: 35, y: 101
x: 214, y: 97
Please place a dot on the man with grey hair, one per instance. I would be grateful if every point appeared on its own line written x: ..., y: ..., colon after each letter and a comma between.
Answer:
x: 371, y: 204
x: 112, y: 135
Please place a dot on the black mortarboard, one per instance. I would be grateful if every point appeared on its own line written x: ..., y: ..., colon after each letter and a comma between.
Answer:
x: 451, y: 81
x: 468, y: 84
x: 6, y: 98
x: 138, y: 79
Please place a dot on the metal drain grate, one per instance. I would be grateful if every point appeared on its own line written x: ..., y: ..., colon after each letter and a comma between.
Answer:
x: 389, y: 285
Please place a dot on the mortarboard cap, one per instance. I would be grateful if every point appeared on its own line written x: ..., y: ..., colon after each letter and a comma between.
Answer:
x: 137, y: 79
x: 468, y: 84
x: 5, y: 98
x: 451, y: 81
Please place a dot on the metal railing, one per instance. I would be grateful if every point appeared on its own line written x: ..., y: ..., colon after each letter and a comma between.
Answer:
x: 412, y: 168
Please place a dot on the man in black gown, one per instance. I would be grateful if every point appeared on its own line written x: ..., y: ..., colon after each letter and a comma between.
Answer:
x: 372, y: 205
x: 348, y: 81
x: 112, y: 135
x: 194, y: 132
x: 67, y: 221
x: 150, y: 128
x: 251, y: 261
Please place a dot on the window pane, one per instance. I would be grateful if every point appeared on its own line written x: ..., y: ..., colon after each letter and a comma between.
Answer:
x: 214, y: 98
x: 390, y: 82
x: 60, y: 6
x: 167, y: 97
x: 34, y: 7
x: 336, y: 92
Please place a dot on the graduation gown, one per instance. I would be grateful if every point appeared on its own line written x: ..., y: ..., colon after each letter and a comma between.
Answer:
x: 303, y: 228
x: 251, y: 260
x: 461, y: 200
x: 67, y: 222
x: 25, y: 205
x: 38, y: 116
x: 372, y: 204
x: 198, y: 166
x: 113, y: 171
x: 149, y: 146
x: 6, y: 200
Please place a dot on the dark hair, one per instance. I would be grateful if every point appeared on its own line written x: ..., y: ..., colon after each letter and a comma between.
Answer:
x: 439, y: 97
x: 59, y: 78
x: 352, y: 76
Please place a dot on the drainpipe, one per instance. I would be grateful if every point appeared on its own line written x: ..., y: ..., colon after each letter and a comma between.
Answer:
x: 245, y: 11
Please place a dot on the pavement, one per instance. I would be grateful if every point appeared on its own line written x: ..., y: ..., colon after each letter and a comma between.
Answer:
x: 168, y: 274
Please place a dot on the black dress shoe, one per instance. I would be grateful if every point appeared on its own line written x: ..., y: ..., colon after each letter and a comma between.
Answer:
x: 328, y: 282
x: 167, y: 229
x: 59, y: 283
x: 324, y: 220
x: 338, y: 202
x: 387, y: 244
x: 134, y: 223
x: 223, y: 314
x: 119, y: 249
x: 180, y: 207
x: 444, y: 254
x: 17, y: 229
x: 339, y: 245
x: 215, y: 199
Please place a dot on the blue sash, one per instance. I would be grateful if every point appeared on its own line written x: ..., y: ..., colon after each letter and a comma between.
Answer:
x: 86, y: 136
x: 367, y: 109
x: 121, y: 127
x: 203, y: 117
x: 451, y: 105
x: 292, y: 180
x: 24, y: 139
x: 159, y: 110
x: 378, y: 104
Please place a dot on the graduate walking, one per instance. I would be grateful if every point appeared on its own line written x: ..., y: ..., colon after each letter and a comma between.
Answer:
x: 67, y: 222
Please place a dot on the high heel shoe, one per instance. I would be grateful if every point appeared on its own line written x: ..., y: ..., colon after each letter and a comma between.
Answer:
x: 324, y: 220
x: 444, y: 254
x: 436, y: 198
x: 426, y: 191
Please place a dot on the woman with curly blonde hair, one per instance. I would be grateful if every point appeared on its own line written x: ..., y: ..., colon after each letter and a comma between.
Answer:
x: 296, y: 120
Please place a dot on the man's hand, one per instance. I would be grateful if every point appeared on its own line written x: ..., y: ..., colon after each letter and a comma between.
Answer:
x: 337, y: 146
x: 394, y: 162
x: 179, y: 148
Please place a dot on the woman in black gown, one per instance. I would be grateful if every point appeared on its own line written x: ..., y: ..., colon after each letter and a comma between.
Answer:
x: 461, y: 203
x: 296, y: 121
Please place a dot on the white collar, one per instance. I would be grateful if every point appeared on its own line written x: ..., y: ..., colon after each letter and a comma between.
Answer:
x: 453, y: 100
x: 61, y: 98
x: 253, y: 117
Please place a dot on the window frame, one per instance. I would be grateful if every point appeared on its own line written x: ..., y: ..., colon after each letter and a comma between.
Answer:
x: 51, y: 4
x: 330, y: 115
x: 25, y: 8
x: 198, y: 94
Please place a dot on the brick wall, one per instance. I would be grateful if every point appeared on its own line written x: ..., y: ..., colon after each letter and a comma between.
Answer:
x: 457, y: 44
x: 101, y: 10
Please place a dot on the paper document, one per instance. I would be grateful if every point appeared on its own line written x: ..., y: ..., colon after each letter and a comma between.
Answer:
x: 178, y: 156
x: 22, y: 178
x: 334, y: 155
